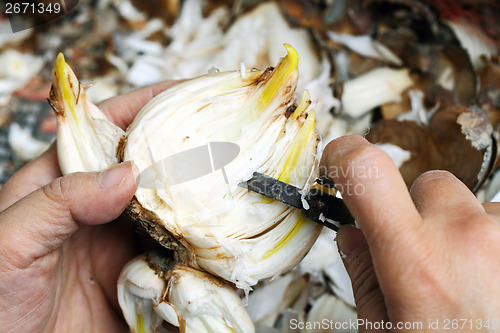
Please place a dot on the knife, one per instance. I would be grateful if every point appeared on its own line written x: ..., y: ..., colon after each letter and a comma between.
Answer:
x: 316, y: 206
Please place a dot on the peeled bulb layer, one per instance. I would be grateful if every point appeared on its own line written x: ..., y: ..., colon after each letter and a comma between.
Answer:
x: 86, y: 139
x: 184, y: 297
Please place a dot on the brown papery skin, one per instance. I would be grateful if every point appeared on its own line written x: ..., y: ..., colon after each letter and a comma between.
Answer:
x: 442, y: 146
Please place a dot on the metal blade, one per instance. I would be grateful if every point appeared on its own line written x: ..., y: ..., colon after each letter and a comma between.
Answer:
x: 274, y: 189
x: 322, y: 208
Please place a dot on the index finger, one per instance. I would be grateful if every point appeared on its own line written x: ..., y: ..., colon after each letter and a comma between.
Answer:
x: 372, y: 188
x: 34, y: 175
x: 122, y: 109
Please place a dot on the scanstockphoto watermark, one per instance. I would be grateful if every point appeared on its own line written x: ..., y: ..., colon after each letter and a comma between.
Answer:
x: 354, y: 324
x: 349, y: 172
x: 199, y: 161
x: 352, y: 175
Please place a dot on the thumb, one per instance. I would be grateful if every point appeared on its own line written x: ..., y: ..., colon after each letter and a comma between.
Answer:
x: 40, y: 222
x: 358, y: 263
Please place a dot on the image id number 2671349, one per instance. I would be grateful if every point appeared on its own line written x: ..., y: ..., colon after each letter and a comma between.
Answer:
x: 26, y: 14
x: 462, y: 324
x: 32, y: 7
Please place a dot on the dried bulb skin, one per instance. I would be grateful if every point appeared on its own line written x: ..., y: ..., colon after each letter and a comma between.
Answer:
x: 86, y: 139
x: 184, y: 297
x: 378, y: 86
x: 234, y: 234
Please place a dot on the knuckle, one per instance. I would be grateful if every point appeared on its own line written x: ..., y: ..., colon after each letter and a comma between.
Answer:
x: 347, y: 140
x: 370, y: 298
x: 364, y: 281
x: 58, y: 190
x: 348, y: 152
x: 361, y: 268
x: 365, y: 156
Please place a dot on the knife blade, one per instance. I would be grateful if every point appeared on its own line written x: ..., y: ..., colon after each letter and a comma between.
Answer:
x: 315, y: 205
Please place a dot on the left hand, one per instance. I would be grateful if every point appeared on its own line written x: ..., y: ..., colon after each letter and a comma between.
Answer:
x: 60, y: 253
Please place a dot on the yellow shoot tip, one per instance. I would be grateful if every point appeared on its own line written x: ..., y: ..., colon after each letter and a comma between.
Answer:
x: 60, y: 59
x: 311, y: 117
x: 288, y: 65
x: 298, y: 148
x: 66, y: 85
x: 292, y: 55
x: 303, y: 105
x: 60, y: 65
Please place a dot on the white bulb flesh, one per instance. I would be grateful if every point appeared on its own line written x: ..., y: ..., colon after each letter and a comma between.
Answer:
x: 234, y: 233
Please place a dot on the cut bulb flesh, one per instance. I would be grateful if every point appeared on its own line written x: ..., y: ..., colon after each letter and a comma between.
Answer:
x: 233, y: 233
x: 193, y: 145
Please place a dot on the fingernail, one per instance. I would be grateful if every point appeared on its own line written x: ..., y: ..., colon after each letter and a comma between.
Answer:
x: 351, y: 242
x: 135, y: 172
x: 115, y: 175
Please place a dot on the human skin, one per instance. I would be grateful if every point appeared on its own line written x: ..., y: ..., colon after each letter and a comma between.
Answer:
x: 60, y: 254
x: 430, y: 253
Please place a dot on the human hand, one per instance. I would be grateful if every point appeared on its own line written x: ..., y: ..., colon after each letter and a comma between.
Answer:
x: 60, y: 258
x: 419, y: 256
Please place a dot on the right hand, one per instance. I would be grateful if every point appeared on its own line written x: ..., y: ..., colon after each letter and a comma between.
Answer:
x: 431, y: 253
